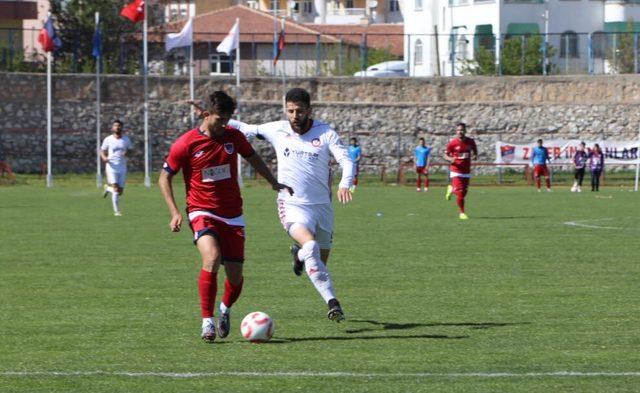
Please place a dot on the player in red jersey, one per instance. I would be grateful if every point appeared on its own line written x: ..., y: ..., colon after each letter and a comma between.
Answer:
x: 459, y: 152
x: 208, y: 157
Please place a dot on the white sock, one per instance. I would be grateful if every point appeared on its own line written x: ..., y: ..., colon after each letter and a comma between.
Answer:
x: 115, y: 200
x: 316, y: 270
x: 207, y: 321
x: 110, y: 189
x: 224, y: 309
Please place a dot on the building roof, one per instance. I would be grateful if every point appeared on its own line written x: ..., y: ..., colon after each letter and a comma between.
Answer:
x: 255, y: 26
x: 387, y: 36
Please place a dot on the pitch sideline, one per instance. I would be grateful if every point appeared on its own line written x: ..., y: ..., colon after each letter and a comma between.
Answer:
x: 578, y: 223
x: 297, y: 374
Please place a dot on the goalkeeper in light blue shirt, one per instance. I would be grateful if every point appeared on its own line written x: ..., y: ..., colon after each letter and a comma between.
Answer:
x: 421, y: 158
x: 355, y: 153
x: 539, y: 159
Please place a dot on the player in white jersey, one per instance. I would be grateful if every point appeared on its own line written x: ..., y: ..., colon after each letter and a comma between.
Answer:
x: 114, y: 153
x: 304, y: 148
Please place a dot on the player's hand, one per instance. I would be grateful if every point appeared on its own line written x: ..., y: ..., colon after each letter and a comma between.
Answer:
x: 176, y: 222
x: 280, y: 186
x: 344, y: 195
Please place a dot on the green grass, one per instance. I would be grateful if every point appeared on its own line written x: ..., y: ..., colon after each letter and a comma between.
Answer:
x: 512, y: 290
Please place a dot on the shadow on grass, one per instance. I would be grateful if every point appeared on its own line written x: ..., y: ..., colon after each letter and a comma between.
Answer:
x: 285, y: 340
x: 403, y: 326
x: 505, y: 217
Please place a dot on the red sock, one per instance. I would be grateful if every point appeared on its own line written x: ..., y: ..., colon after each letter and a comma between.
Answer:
x: 548, y: 182
x: 426, y: 182
x: 231, y: 292
x: 460, y: 202
x: 419, y: 181
x: 538, y: 182
x: 207, y: 288
x: 355, y: 183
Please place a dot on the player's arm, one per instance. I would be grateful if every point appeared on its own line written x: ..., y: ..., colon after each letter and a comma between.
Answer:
x: 104, y: 155
x: 341, y: 155
x: 166, y: 188
x: 474, y: 149
x: 258, y: 164
x: 448, y: 155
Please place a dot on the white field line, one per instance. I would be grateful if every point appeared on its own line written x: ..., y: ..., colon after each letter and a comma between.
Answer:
x: 297, y: 374
x: 579, y: 223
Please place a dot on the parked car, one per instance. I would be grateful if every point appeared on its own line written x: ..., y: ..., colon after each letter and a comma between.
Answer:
x: 386, y: 69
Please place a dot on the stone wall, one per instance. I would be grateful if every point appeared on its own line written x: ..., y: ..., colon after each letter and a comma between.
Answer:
x: 382, y: 113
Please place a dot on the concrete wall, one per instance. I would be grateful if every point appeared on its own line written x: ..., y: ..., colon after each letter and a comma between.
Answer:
x: 380, y: 112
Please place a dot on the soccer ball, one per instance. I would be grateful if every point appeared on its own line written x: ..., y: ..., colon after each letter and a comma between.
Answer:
x: 257, y: 327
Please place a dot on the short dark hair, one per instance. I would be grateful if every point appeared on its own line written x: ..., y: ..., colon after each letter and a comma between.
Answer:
x: 118, y: 121
x: 539, y: 141
x: 353, y: 138
x: 221, y: 103
x: 298, y: 94
x: 421, y: 139
x: 583, y: 144
x: 463, y: 125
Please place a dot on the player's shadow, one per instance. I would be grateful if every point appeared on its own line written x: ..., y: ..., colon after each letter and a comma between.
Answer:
x: 403, y: 326
x: 505, y: 217
x: 284, y: 340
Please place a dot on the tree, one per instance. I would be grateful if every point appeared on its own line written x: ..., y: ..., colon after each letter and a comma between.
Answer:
x: 621, y: 54
x: 483, y: 62
x: 76, y: 23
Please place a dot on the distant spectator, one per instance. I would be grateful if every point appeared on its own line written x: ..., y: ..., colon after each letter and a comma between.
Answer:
x: 579, y: 164
x: 421, y: 159
x: 596, y: 165
x: 539, y: 159
x: 355, y: 153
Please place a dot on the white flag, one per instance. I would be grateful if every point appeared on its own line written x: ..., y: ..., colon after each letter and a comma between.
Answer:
x: 230, y: 42
x: 183, y: 38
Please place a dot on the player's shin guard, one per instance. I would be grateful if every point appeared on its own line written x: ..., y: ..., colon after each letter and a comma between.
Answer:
x: 419, y: 181
x: 115, y: 201
x: 548, y: 182
x: 316, y: 270
x: 231, y: 292
x: 460, y: 201
x: 426, y: 181
x: 207, y: 288
x: 538, y: 182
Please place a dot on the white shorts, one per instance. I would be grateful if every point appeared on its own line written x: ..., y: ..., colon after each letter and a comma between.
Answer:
x: 317, y: 218
x: 116, y: 176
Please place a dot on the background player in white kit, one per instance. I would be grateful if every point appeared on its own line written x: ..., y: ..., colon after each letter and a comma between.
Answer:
x: 114, y: 153
x: 304, y: 147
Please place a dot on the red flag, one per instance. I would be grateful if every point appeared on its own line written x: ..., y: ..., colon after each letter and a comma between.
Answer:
x: 134, y: 11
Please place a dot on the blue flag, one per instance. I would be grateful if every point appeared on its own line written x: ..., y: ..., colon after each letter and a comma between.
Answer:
x: 97, y: 43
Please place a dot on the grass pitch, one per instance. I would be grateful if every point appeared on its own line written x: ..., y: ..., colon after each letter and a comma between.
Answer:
x: 531, y: 286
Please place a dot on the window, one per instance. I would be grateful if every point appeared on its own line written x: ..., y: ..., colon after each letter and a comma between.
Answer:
x: 273, y: 4
x: 599, y: 44
x: 569, y: 44
x: 417, y: 53
x: 484, y: 37
x: 220, y: 64
x: 348, y: 4
x: 418, y: 5
x: 253, y: 4
x: 307, y: 7
x: 394, y: 5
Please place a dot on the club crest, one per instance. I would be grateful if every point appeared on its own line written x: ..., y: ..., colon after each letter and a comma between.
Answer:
x: 228, y: 147
x: 315, y: 142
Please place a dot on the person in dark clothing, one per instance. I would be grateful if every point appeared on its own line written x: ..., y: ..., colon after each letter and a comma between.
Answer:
x: 579, y: 165
x: 596, y: 165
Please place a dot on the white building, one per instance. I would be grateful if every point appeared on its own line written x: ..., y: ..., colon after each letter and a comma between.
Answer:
x: 463, y: 25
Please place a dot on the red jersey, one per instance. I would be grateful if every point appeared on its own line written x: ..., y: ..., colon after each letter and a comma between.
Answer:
x: 210, y: 170
x: 461, y: 150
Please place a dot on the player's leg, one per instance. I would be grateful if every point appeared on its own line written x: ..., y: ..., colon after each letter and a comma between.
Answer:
x: 536, y: 176
x: 580, y: 179
x: 233, y: 256
x: 325, y: 239
x: 426, y: 179
x: 209, y: 248
x: 419, y: 179
x: 576, y: 174
x: 596, y: 178
x: 316, y: 269
x: 118, y: 188
x: 354, y: 185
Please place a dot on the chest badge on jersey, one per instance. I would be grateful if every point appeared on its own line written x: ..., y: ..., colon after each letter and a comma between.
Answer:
x: 229, y: 148
x: 315, y: 142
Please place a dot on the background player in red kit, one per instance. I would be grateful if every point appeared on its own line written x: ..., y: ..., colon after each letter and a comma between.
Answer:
x: 208, y: 157
x: 459, y: 153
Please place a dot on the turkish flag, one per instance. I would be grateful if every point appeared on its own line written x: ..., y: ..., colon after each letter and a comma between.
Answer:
x: 133, y: 11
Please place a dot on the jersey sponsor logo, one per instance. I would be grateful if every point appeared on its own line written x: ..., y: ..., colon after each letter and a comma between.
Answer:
x: 287, y: 152
x: 228, y: 147
x: 315, y: 142
x: 198, y: 153
x: 301, y: 154
x: 463, y: 156
x: 215, y: 173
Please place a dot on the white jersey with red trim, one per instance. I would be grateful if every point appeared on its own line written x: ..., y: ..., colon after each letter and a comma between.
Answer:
x: 303, y: 160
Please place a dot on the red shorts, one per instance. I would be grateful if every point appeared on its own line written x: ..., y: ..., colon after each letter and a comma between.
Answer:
x: 230, y: 237
x: 540, y: 170
x: 422, y: 170
x: 460, y: 184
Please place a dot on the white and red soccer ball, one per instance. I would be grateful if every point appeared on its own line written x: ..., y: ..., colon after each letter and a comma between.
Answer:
x: 257, y: 327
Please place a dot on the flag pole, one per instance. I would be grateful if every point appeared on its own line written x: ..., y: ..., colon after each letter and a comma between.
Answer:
x: 240, y: 180
x: 147, y: 179
x: 635, y: 188
x: 49, y: 172
x: 191, y: 71
x: 98, y: 163
x: 284, y: 81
